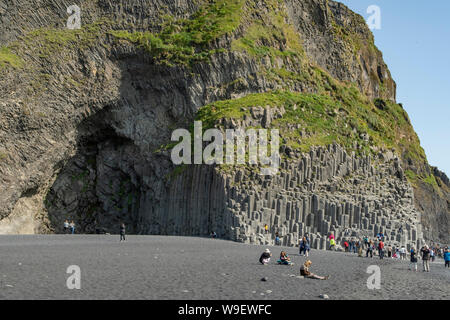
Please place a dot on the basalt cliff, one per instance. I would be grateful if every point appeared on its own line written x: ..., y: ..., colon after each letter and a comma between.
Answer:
x: 86, y: 118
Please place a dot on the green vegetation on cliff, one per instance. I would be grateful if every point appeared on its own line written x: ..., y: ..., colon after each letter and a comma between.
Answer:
x: 7, y: 58
x: 327, y: 110
x: 184, y: 41
x: 345, y: 117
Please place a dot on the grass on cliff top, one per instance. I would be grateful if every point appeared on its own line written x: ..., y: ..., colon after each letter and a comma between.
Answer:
x: 344, y: 117
x: 48, y: 41
x: 263, y: 38
x: 7, y: 58
x: 184, y: 41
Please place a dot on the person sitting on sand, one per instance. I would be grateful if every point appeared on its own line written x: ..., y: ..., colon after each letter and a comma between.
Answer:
x: 265, y: 257
x: 304, y: 271
x: 284, y: 258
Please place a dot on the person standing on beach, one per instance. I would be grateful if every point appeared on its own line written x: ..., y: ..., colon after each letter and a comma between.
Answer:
x: 122, y: 232
x: 402, y: 253
x: 381, y: 249
x: 346, y: 245
x: 304, y: 246
x: 425, y: 258
x: 266, y: 228
x: 413, y: 260
x: 370, y: 249
x: 447, y: 258
x: 366, y: 242
x: 332, y: 244
x: 72, y: 227
x: 66, y: 226
x: 360, y: 250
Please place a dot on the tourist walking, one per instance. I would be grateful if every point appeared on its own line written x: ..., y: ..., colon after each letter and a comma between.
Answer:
x: 425, y: 258
x: 413, y: 260
x: 266, y: 228
x: 332, y: 244
x: 304, y: 271
x: 389, y: 251
x: 122, y: 232
x: 265, y: 257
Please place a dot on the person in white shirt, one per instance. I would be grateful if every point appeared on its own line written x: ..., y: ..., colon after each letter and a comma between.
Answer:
x: 66, y: 226
x: 403, y: 253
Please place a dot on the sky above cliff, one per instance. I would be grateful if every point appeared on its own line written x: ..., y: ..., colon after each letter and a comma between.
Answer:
x: 414, y: 37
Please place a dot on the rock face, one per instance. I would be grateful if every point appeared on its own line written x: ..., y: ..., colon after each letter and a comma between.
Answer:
x: 83, y: 116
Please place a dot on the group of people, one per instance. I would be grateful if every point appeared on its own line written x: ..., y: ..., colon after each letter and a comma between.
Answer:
x: 426, y: 253
x: 286, y: 260
x: 69, y: 227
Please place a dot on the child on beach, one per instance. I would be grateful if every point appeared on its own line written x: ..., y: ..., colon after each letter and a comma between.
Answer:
x: 304, y: 271
x: 284, y: 259
x: 265, y: 257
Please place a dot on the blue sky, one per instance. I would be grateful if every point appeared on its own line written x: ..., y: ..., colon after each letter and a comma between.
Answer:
x: 415, y: 41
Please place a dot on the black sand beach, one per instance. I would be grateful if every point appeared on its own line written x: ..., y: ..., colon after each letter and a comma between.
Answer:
x: 162, y: 267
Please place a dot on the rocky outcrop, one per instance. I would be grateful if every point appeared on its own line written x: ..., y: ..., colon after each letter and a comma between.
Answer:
x: 84, y: 115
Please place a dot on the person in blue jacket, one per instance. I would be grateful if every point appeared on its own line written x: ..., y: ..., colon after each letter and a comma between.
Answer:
x: 447, y: 258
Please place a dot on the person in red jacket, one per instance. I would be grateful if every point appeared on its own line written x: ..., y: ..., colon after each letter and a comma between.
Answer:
x: 381, y: 249
x: 346, y: 246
